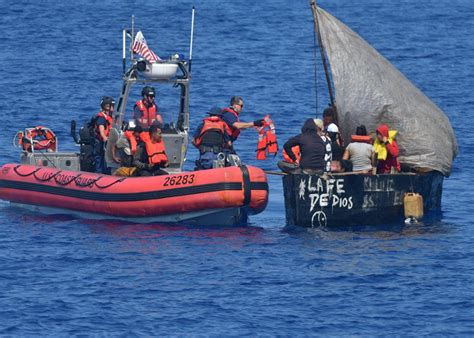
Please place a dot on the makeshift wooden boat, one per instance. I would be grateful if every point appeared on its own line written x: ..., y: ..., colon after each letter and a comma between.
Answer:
x: 369, y: 90
x: 55, y: 182
x: 356, y: 199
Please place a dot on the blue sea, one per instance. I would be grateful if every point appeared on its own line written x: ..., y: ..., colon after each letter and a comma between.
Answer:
x: 62, y: 276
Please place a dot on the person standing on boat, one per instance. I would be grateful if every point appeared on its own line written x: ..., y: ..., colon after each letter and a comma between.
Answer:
x: 360, y: 151
x: 145, y: 111
x: 313, y: 150
x: 211, y: 139
x: 328, y: 118
x: 230, y: 116
x: 103, y: 124
x: 386, y: 150
x: 150, y: 156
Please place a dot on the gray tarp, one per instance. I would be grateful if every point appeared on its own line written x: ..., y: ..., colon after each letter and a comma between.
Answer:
x: 370, y: 91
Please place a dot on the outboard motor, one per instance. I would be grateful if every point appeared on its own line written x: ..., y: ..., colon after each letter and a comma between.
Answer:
x: 87, y: 143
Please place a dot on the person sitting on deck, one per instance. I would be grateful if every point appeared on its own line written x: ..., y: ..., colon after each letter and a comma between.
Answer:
x: 145, y: 111
x: 150, y: 156
x: 386, y: 150
x: 124, y: 150
x: 336, y: 147
x: 211, y: 139
x: 360, y: 151
x: 312, y: 147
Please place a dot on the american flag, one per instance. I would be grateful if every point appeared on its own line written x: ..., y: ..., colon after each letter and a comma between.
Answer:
x: 140, y: 47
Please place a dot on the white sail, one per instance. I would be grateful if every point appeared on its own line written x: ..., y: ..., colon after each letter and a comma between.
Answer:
x: 369, y: 90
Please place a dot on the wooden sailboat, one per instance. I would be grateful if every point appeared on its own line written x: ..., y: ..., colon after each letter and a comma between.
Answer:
x: 365, y: 88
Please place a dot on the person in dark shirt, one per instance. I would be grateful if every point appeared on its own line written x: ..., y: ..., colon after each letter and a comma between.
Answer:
x: 312, y: 149
x: 336, y: 147
x: 230, y: 116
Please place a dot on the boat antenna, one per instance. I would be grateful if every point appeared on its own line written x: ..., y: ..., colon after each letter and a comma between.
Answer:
x: 191, y: 42
x: 133, y: 37
x: 317, y: 32
x: 124, y: 59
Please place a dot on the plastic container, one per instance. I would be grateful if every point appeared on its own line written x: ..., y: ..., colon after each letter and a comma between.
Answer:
x: 413, y: 205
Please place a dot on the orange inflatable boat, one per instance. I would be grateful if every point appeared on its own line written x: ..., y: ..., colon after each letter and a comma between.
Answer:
x: 221, y: 196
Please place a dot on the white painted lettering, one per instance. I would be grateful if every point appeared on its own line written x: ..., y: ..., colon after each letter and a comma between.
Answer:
x: 324, y: 200
x: 340, y: 186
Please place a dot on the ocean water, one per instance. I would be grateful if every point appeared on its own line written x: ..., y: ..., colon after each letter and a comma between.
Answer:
x: 64, y: 276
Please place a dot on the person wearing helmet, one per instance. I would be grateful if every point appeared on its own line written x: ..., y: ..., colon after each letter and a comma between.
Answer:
x: 145, y: 111
x: 103, y: 124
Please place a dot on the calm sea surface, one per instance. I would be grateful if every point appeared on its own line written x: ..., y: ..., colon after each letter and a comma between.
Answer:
x: 63, y: 276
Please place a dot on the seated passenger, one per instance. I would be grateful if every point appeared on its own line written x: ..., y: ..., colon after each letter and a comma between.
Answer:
x: 150, y: 156
x: 211, y: 139
x: 360, y: 151
x: 386, y: 150
x: 336, y: 147
x: 124, y: 150
x: 312, y: 147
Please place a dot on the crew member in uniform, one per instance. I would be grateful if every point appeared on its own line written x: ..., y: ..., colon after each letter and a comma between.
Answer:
x: 230, y: 116
x: 150, y: 156
x: 145, y: 111
x: 103, y: 124
x: 211, y: 138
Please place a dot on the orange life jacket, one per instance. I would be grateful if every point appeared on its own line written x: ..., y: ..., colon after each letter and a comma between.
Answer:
x: 30, y: 136
x: 267, y: 140
x: 231, y: 131
x: 214, y: 123
x: 108, y: 124
x: 133, y: 141
x: 148, y: 114
x: 296, y: 151
x: 361, y: 138
x: 155, y: 151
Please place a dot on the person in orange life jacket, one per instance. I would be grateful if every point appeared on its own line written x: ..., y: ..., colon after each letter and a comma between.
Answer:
x: 150, y: 156
x: 211, y: 139
x: 126, y: 147
x: 145, y: 111
x: 230, y: 116
x: 103, y: 124
x: 386, y: 149
x: 312, y: 147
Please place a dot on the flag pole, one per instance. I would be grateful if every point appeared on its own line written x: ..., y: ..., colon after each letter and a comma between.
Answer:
x: 191, y: 42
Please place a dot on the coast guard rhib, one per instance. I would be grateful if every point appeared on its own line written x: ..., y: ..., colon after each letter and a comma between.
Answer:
x: 55, y: 182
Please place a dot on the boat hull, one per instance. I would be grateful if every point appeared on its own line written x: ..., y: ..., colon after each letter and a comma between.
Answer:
x: 356, y: 199
x: 217, y: 196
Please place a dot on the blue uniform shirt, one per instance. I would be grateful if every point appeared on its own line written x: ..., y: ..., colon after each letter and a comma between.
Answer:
x: 229, y: 119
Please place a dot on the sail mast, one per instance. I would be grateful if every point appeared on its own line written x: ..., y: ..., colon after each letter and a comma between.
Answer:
x: 317, y: 32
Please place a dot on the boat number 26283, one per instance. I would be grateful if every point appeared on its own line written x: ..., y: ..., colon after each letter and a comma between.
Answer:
x: 179, y: 180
